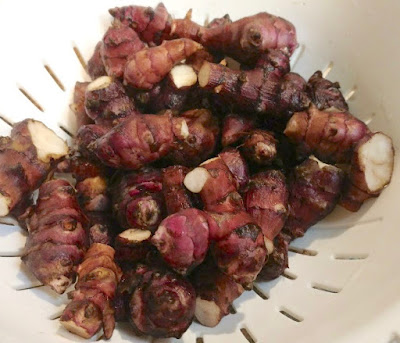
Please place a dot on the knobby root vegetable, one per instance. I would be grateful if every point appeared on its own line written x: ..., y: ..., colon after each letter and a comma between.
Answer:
x: 234, y: 128
x: 78, y: 106
x: 183, y: 239
x: 175, y: 194
x: 85, y: 138
x: 91, y: 304
x: 274, y: 60
x: 326, y: 94
x: 219, y: 21
x: 266, y: 200
x: 138, y: 200
x: 106, y: 101
x: 260, y: 147
x: 197, y: 59
x: 26, y: 158
x: 132, y: 246
x: 329, y: 135
x: 215, y: 292
x: 57, y: 238
x: 245, y: 39
x: 95, y: 66
x: 119, y: 43
x: 162, y: 305
x: 371, y: 170
x: 237, y: 166
x: 150, y: 65
x: 314, y: 190
x: 153, y: 26
x: 277, y: 262
x: 257, y: 90
x: 101, y: 228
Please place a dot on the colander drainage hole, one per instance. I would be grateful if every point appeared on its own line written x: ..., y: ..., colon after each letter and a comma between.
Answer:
x: 80, y: 57
x: 301, y: 251
x: 327, y: 70
x: 66, y: 131
x: 54, y: 77
x: 260, y: 293
x: 289, y: 314
x: 31, y: 99
x: 56, y: 315
x: 350, y: 93
x: 246, y: 333
x: 289, y: 275
x: 8, y: 122
x: 325, y: 288
x: 350, y: 257
x: 232, y: 310
x: 29, y: 287
x: 199, y: 340
x: 17, y: 253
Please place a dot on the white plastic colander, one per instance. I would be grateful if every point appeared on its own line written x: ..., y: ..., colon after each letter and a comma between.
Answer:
x: 343, y: 284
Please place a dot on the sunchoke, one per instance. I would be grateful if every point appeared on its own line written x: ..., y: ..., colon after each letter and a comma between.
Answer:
x: 183, y: 239
x: 237, y: 166
x: 132, y: 246
x: 95, y: 66
x: 57, y: 238
x: 78, y: 106
x: 150, y: 65
x: 329, y: 135
x: 266, y: 200
x: 314, y: 190
x: 235, y: 127
x: 260, y: 147
x: 91, y: 307
x: 25, y: 159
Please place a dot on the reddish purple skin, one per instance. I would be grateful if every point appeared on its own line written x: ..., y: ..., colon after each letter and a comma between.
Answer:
x: 87, y: 135
x: 138, y: 200
x: 237, y: 166
x: 235, y: 127
x: 162, y: 305
x: 265, y: 191
x: 260, y: 147
x: 313, y: 194
x: 293, y: 95
x: 274, y: 60
x: 101, y: 228
x: 95, y: 66
x: 119, y: 42
x: 325, y: 94
x: 183, y: 239
x: 278, y: 261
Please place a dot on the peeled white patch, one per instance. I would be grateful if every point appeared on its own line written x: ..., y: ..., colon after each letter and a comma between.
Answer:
x: 48, y: 145
x: 4, y: 205
x: 184, y: 129
x: 135, y: 235
x: 196, y: 179
x: 60, y: 284
x: 204, y: 74
x: 77, y: 330
x: 376, y: 158
x: 320, y: 163
x: 207, y: 312
x: 183, y: 75
x: 269, y: 245
x: 100, y: 83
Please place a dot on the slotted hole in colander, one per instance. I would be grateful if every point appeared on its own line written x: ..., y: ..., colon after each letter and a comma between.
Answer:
x: 17, y: 253
x: 325, y: 288
x: 350, y: 256
x: 247, y: 334
x: 56, y: 315
x: 54, y: 77
x: 289, y: 275
x: 301, y: 251
x: 79, y: 56
x: 66, y: 131
x: 369, y: 120
x: 232, y: 310
x: 327, y: 69
x: 260, y: 293
x: 23, y: 288
x: 291, y: 315
x: 349, y: 94
x: 31, y: 99
x: 296, y: 55
x: 7, y: 121
x: 199, y: 340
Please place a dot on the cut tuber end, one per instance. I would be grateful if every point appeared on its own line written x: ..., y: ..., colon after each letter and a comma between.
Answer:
x: 135, y: 235
x: 48, y: 145
x: 204, y: 74
x: 183, y: 76
x: 195, y: 180
x: 376, y: 158
x: 100, y: 83
x: 75, y: 329
x: 269, y: 245
x: 60, y: 284
x: 207, y: 312
x: 4, y: 205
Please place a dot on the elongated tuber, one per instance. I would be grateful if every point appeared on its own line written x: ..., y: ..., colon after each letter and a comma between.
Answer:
x: 237, y: 166
x: 119, y: 43
x: 260, y: 147
x: 257, y: 90
x: 330, y: 136
x: 235, y: 127
x: 162, y: 305
x: 106, y: 101
x: 175, y: 193
x: 150, y: 65
x: 78, y: 106
x: 326, y: 94
x: 314, y: 190
x: 95, y: 66
x: 26, y: 158
x: 183, y: 239
x: 57, y: 238
x: 371, y: 170
x: 90, y: 307
x: 277, y: 262
x: 215, y: 292
x: 266, y: 200
x: 85, y: 138
x: 138, y: 200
